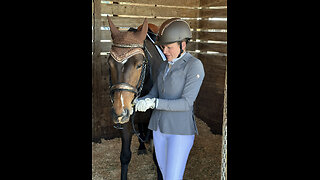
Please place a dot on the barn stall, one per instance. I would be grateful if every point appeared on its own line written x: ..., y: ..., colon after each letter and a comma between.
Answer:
x: 208, y: 22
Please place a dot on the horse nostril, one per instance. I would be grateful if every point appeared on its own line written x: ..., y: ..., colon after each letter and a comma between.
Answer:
x: 125, y: 113
x: 125, y: 116
x: 122, y: 118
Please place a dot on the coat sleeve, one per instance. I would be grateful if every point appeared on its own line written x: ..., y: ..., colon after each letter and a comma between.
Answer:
x: 194, y: 78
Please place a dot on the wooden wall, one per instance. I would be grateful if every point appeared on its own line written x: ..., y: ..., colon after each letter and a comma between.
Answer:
x: 213, y: 54
x: 208, y: 35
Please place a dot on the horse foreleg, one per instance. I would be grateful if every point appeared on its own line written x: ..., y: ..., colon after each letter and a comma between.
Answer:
x: 142, y: 148
x: 125, y: 156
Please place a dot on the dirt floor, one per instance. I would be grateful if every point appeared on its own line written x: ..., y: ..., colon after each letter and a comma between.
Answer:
x: 203, y: 163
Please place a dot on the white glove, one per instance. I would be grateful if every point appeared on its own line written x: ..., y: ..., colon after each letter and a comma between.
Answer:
x: 151, y: 102
x: 140, y: 105
x: 143, y: 105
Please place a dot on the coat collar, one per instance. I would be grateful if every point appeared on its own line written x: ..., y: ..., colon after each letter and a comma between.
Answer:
x: 181, y: 61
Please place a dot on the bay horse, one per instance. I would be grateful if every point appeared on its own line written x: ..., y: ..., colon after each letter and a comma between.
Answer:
x: 133, y: 67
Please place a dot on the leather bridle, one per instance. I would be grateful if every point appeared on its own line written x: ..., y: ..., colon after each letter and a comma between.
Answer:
x: 123, y: 86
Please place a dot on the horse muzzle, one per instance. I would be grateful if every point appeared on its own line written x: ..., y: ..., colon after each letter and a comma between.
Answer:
x: 124, y: 117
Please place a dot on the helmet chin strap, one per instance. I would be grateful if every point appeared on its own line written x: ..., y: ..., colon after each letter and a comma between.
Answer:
x: 181, y: 50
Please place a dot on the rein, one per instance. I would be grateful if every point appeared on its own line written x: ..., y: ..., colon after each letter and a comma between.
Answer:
x: 127, y: 87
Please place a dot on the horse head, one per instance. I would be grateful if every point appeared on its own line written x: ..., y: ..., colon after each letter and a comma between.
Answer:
x: 127, y: 65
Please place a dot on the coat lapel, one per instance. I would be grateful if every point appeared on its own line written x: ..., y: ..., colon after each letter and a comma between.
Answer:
x: 180, y: 62
x: 176, y: 65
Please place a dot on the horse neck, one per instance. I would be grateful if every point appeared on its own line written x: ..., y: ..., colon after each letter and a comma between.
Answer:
x: 155, y: 59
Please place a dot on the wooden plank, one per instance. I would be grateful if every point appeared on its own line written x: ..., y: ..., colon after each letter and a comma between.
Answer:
x: 215, y: 60
x: 215, y: 87
x: 212, y: 36
x: 106, y: 35
x: 209, y: 24
x: 135, y: 22
x: 217, y: 79
x: 214, y: 66
x: 192, y: 46
x: 129, y: 22
x: 148, y: 11
x: 188, y: 3
x: 212, y: 3
x: 96, y: 76
x: 194, y: 54
x: 219, y: 66
x: 222, y: 48
x: 105, y: 46
x: 213, y: 13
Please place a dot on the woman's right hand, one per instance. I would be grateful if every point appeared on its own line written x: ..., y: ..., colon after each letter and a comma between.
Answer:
x: 143, y: 105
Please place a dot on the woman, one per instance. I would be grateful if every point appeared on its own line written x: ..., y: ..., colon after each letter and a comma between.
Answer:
x: 172, y: 97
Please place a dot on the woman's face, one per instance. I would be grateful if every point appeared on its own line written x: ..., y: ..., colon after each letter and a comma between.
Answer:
x: 171, y: 51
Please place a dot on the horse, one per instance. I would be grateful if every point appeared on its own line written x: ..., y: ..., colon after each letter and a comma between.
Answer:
x: 133, y: 67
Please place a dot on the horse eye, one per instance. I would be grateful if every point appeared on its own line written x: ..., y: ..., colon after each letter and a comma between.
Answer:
x: 139, y: 66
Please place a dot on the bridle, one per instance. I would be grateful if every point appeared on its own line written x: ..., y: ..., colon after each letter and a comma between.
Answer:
x: 123, y: 86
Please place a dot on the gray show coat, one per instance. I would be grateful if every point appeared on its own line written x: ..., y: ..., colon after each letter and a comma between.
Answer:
x: 176, y: 94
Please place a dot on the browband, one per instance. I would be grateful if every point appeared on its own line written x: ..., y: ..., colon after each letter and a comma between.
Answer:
x: 121, y: 57
x: 128, y: 45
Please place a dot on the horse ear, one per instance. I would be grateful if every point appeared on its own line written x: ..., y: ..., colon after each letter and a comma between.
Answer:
x: 113, y: 28
x: 141, y: 35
